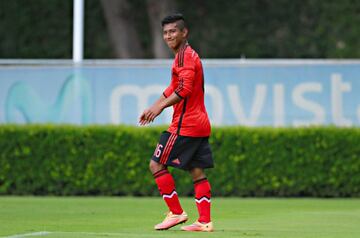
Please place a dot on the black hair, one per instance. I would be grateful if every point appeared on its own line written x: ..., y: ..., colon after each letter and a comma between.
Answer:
x: 177, y: 17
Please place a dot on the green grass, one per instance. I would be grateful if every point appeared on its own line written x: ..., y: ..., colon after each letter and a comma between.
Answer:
x: 135, y: 217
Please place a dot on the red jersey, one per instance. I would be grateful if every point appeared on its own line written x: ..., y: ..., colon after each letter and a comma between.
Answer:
x: 190, y: 117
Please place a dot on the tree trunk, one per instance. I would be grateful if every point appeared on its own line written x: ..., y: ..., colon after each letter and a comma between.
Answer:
x: 121, y: 28
x: 157, y: 10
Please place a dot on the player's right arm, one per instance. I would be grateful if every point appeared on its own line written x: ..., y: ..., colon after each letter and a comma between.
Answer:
x: 172, y: 95
x: 163, y: 102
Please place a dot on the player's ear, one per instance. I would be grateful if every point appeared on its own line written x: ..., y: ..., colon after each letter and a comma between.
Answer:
x: 185, y: 32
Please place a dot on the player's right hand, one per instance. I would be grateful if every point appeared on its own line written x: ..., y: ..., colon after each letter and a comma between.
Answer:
x: 143, y: 119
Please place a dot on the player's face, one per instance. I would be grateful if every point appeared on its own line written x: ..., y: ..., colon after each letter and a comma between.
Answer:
x: 173, y: 36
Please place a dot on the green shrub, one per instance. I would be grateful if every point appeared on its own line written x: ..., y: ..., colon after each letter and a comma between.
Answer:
x: 113, y: 160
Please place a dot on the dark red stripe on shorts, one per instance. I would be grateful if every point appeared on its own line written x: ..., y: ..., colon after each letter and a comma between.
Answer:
x: 169, y: 145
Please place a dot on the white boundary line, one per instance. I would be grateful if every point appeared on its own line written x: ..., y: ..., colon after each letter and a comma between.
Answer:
x: 40, y: 233
x: 127, y: 234
x: 46, y: 233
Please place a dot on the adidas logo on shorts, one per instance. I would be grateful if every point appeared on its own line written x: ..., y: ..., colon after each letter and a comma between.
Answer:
x: 176, y: 161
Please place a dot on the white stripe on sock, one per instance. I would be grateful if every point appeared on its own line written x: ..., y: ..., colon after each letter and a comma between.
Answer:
x: 203, y: 199
x: 169, y: 196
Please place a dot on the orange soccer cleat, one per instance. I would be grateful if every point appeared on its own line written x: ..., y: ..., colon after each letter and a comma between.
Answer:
x: 171, y: 220
x: 197, y: 226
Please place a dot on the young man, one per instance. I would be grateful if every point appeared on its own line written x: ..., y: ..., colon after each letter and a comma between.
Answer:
x: 185, y: 144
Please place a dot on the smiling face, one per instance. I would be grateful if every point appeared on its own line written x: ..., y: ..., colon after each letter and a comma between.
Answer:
x: 174, y: 36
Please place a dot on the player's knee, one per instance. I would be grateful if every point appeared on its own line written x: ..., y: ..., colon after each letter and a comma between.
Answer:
x: 151, y: 166
x: 197, y: 173
x: 155, y: 166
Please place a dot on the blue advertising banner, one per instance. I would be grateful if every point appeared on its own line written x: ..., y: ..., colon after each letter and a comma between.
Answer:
x: 238, y: 92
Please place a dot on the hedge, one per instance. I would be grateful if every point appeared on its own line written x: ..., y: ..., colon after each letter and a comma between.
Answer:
x: 113, y: 160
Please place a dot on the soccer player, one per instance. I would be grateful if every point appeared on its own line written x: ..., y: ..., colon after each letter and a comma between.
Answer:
x: 185, y: 144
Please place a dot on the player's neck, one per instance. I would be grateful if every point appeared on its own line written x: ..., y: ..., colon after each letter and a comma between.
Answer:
x: 180, y: 46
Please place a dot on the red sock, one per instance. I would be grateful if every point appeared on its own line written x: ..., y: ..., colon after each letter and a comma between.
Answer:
x: 166, y: 186
x: 202, y: 198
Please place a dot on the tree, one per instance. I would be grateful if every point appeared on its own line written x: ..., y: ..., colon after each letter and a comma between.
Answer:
x: 122, y: 27
x: 157, y: 10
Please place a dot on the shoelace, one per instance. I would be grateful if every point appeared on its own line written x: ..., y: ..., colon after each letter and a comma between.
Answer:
x: 168, y: 215
x: 198, y: 224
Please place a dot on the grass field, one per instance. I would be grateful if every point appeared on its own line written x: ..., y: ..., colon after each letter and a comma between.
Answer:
x: 135, y: 217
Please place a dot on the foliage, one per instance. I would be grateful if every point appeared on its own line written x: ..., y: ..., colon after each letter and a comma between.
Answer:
x: 113, y: 160
x: 219, y: 29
